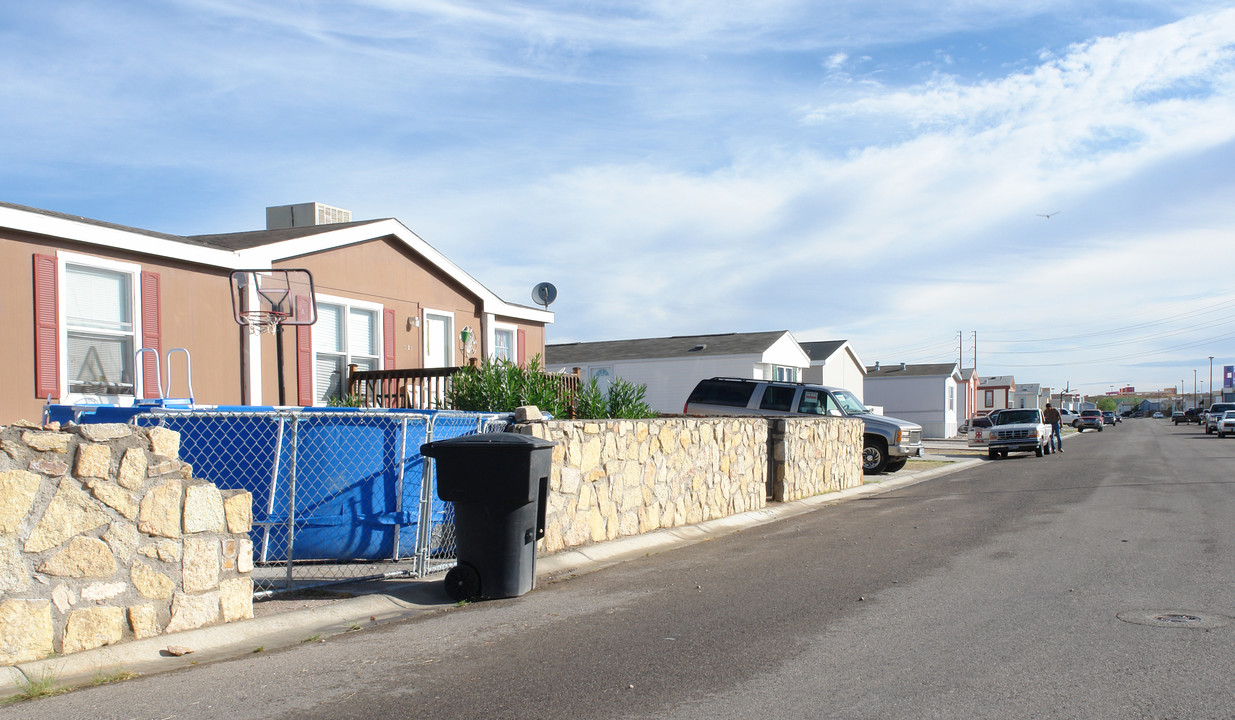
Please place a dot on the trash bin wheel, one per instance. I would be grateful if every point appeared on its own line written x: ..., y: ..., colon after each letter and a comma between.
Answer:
x: 462, y: 583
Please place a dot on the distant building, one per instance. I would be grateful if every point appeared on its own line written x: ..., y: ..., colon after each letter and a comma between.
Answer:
x: 1029, y: 395
x: 994, y: 393
x: 925, y: 394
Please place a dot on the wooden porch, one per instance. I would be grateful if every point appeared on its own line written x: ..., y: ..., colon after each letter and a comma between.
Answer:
x: 428, y: 388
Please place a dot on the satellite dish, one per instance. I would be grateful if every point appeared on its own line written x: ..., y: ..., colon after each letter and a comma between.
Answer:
x: 544, y: 293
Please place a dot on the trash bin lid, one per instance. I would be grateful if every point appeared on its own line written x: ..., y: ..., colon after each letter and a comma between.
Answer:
x: 508, y: 440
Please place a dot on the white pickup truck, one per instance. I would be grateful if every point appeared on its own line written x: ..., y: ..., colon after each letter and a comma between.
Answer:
x: 1013, y: 430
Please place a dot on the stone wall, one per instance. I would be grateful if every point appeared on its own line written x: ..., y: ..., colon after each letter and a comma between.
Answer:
x: 105, y: 536
x: 813, y: 456
x: 615, y: 478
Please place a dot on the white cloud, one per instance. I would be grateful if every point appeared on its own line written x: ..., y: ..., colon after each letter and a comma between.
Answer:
x: 654, y: 160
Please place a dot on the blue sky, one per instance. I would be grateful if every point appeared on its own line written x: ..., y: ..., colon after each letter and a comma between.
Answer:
x: 847, y: 169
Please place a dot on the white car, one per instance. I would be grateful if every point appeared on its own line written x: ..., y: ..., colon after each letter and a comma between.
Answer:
x: 1226, y: 424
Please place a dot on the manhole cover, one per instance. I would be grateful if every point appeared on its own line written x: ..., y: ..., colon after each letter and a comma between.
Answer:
x: 1175, y: 618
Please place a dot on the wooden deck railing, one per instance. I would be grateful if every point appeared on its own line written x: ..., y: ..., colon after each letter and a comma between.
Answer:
x: 427, y: 388
x: 418, y: 389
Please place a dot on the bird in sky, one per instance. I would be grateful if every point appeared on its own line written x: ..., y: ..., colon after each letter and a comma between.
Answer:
x: 1047, y: 215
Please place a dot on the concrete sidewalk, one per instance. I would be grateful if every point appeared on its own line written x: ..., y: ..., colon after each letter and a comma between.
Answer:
x: 381, y: 601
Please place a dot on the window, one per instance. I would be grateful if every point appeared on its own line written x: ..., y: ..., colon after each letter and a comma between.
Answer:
x: 346, y: 333
x: 990, y: 399
x: 504, y: 344
x: 782, y: 373
x: 99, y: 326
x: 777, y: 398
x: 817, y: 402
x: 951, y: 398
x: 722, y: 392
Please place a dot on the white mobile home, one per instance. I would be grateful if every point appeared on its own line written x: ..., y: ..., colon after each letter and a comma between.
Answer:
x: 925, y: 394
x: 834, y: 363
x: 670, y: 367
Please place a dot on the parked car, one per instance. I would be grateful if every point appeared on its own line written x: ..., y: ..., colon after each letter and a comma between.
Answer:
x: 887, y: 443
x: 1108, y: 418
x: 1193, y: 415
x: 1020, y: 429
x: 1157, y: 415
x: 1067, y: 418
x: 1226, y: 424
x: 1213, y: 414
x: 1089, y: 419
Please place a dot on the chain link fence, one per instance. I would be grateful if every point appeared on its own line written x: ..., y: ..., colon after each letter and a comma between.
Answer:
x: 338, y: 495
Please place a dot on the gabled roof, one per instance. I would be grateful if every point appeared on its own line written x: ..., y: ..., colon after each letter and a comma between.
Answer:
x: 930, y: 370
x: 260, y: 238
x: 254, y: 250
x: 820, y: 351
x: 997, y: 381
x: 679, y: 346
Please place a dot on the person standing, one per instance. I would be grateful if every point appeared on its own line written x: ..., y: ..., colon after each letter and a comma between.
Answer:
x: 1052, y: 418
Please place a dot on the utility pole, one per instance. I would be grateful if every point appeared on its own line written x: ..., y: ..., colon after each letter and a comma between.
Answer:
x: 960, y: 348
x: 1211, y: 379
x: 975, y: 352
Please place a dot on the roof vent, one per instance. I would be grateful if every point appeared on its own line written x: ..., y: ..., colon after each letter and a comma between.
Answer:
x: 697, y: 348
x: 305, y: 215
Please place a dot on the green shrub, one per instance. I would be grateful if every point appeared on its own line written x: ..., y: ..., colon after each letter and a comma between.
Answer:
x: 626, y: 401
x: 591, y: 402
x: 352, y: 400
x: 502, y: 386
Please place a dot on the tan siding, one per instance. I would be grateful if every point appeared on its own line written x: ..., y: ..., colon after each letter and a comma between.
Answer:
x: 196, y: 309
x: 197, y: 314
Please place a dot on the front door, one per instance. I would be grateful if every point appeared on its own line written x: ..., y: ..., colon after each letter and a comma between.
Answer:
x: 439, y: 331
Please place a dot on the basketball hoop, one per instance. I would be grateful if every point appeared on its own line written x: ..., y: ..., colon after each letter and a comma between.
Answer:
x: 261, y: 321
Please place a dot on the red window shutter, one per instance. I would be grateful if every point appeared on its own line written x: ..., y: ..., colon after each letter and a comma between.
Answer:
x: 46, y: 329
x: 304, y: 355
x: 152, y: 332
x: 388, y: 339
x: 521, y: 351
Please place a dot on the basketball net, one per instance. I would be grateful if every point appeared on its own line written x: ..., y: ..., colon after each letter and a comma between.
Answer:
x: 262, y: 321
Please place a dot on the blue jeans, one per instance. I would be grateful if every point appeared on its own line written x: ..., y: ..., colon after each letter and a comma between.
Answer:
x: 1056, y: 441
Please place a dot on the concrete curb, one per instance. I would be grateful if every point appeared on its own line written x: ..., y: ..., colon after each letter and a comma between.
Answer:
x: 416, y: 597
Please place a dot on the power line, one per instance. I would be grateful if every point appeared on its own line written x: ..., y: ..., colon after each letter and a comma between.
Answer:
x: 1144, y: 338
x: 1159, y: 351
x: 1111, y: 331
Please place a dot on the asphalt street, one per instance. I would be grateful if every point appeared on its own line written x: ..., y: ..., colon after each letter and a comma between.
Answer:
x: 1093, y: 583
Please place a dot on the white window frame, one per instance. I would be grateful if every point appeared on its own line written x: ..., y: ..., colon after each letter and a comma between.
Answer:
x: 450, y: 335
x: 795, y: 373
x: 134, y: 271
x: 514, y: 340
x: 349, y: 304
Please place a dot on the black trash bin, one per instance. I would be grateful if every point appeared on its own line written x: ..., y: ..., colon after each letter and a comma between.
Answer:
x: 498, y: 483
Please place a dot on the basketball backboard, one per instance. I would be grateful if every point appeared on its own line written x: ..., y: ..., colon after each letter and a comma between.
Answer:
x: 262, y: 297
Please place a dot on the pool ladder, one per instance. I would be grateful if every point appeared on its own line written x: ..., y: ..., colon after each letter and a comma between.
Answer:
x: 164, y: 392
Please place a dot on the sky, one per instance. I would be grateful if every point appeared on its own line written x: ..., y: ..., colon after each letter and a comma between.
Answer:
x: 1046, y: 185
